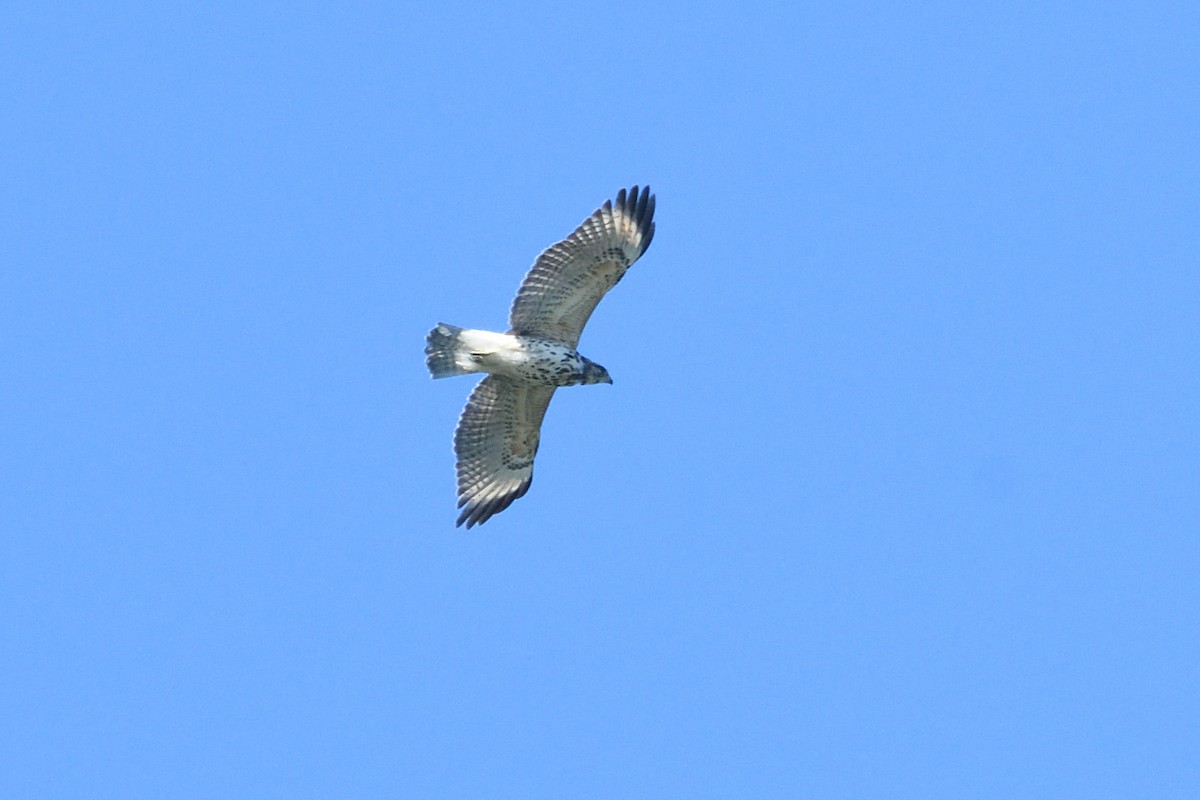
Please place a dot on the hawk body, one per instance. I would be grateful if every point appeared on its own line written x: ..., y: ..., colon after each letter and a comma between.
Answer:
x: 532, y: 360
x: 499, y: 431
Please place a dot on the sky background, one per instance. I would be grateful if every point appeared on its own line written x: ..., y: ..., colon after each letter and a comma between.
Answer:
x: 896, y: 493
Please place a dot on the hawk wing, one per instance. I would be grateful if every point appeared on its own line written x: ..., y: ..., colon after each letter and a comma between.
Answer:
x: 568, y: 279
x: 496, y: 440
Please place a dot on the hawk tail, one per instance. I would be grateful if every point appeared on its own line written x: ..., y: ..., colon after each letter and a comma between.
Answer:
x: 442, y: 348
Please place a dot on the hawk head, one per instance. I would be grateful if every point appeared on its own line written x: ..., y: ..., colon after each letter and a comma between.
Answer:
x: 594, y: 373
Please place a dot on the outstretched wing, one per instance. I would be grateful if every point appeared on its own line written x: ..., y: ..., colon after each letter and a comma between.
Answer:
x: 567, y: 281
x: 496, y: 440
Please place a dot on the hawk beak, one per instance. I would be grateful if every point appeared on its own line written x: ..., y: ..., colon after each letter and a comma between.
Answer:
x: 608, y: 381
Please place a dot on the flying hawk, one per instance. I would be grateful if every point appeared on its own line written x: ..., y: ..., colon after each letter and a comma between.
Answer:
x: 498, y: 433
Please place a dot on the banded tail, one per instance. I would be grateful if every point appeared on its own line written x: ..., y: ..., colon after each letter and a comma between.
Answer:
x: 443, y: 346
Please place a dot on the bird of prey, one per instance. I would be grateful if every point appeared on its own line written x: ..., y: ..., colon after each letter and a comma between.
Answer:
x: 498, y: 433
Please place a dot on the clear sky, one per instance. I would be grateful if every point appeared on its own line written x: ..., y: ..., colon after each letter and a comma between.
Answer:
x: 896, y: 493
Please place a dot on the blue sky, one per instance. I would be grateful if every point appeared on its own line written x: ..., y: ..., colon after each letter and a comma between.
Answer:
x: 895, y: 494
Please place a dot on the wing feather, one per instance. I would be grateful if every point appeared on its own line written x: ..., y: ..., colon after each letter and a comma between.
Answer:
x: 567, y: 281
x: 495, y: 442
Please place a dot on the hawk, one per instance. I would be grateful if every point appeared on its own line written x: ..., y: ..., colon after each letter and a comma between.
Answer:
x: 498, y: 434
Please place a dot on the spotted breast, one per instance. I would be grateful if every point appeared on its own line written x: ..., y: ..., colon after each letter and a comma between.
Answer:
x: 548, y: 363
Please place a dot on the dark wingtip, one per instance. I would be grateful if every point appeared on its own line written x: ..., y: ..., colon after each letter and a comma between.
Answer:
x: 643, y: 214
x: 474, y: 514
x: 470, y: 516
x: 478, y: 513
